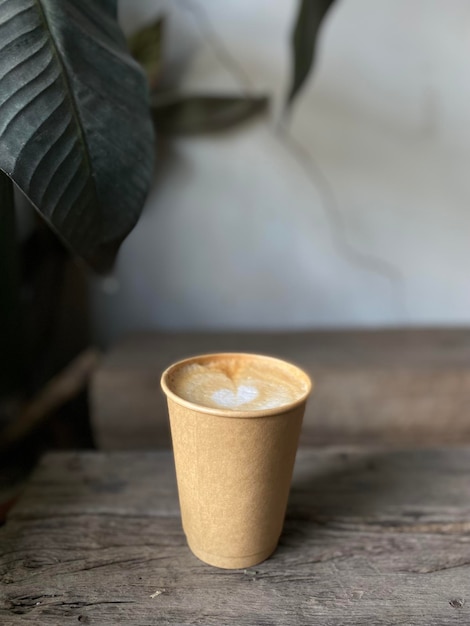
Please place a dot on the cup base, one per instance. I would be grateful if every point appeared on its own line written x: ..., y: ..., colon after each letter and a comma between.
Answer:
x: 231, y: 562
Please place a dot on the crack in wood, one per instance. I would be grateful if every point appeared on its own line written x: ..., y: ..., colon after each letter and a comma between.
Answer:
x: 437, y: 568
x: 117, y: 562
x: 26, y: 604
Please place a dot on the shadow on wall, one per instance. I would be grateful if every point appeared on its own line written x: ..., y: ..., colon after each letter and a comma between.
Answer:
x: 355, y: 216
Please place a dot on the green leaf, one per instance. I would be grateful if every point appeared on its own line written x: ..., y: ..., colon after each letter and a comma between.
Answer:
x: 75, y: 128
x: 146, y: 47
x: 178, y: 114
x: 309, y: 19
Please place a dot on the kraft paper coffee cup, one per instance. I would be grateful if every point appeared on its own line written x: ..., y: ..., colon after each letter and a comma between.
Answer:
x: 234, y: 470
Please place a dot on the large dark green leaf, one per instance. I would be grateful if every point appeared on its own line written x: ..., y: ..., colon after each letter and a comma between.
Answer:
x: 308, y: 22
x: 75, y: 128
x: 191, y: 115
x: 146, y: 47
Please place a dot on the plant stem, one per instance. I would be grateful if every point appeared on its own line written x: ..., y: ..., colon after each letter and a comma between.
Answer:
x: 11, y: 336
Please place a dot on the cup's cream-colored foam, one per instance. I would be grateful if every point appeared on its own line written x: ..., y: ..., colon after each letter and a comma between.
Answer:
x: 238, y: 383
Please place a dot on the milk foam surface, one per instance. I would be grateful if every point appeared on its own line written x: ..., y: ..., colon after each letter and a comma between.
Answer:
x: 238, y: 383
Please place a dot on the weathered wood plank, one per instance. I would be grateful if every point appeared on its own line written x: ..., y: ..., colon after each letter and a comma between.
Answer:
x: 337, y: 481
x: 371, y: 537
x: 407, y: 387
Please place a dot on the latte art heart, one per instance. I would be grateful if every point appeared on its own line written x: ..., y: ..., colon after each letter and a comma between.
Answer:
x: 235, y: 382
x: 227, y: 398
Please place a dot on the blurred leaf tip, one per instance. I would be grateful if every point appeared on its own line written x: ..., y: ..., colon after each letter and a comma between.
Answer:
x: 310, y: 16
x: 146, y: 46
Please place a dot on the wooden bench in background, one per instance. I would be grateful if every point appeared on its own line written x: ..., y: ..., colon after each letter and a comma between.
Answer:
x: 403, y: 387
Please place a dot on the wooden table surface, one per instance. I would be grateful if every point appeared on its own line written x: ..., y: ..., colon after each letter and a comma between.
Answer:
x: 372, y: 536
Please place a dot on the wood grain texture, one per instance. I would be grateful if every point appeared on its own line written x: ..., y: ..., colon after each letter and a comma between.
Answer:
x: 371, y: 537
x: 408, y: 387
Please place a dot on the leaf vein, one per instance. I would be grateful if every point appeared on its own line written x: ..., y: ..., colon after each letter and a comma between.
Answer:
x: 76, y: 115
x: 24, y: 61
x: 71, y: 179
x: 20, y: 111
x: 37, y: 133
x: 14, y: 16
x: 52, y: 174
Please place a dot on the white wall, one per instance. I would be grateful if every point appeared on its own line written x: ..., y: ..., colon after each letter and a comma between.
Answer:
x: 360, y: 216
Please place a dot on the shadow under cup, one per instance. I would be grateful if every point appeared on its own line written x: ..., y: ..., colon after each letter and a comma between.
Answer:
x: 234, y: 468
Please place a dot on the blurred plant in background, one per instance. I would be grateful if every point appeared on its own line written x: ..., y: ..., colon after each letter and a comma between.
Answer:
x: 76, y: 138
x: 176, y: 113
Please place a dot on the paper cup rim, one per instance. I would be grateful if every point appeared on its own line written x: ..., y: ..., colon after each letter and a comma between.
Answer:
x: 221, y: 412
